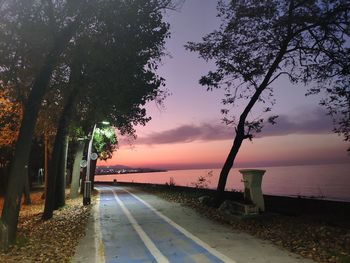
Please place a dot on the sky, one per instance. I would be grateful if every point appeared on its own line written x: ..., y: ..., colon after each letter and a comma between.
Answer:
x: 187, y: 133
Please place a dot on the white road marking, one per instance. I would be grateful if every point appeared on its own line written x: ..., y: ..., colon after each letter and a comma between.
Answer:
x: 144, y: 237
x: 99, y: 253
x: 185, y: 232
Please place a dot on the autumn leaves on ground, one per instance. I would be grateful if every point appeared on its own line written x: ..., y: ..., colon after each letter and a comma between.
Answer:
x: 321, y: 237
x: 47, y: 241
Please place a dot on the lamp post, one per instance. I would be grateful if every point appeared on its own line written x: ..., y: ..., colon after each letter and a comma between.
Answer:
x: 87, y: 184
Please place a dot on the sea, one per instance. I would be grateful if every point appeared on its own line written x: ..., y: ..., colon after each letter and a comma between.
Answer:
x: 329, y: 182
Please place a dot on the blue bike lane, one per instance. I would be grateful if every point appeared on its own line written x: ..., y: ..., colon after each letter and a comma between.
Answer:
x: 133, y: 231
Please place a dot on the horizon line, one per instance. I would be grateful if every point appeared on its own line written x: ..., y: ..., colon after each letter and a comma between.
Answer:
x: 195, y: 166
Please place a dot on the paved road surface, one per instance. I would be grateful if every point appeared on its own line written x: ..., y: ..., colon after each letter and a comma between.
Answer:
x: 133, y: 226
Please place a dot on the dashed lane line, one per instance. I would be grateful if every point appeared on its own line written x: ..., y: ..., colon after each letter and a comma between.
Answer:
x: 99, y: 247
x: 144, y: 237
x: 182, y: 230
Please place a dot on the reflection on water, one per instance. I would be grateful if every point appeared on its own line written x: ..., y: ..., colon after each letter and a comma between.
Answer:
x: 320, y: 181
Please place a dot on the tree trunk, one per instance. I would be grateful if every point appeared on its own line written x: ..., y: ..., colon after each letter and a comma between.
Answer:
x: 74, y: 187
x: 17, y: 175
x: 26, y: 190
x: 46, y: 161
x: 59, y: 156
x: 19, y: 165
x: 61, y: 176
x: 240, y: 131
x: 228, y: 164
x: 56, y: 158
x: 68, y: 175
x: 51, y: 180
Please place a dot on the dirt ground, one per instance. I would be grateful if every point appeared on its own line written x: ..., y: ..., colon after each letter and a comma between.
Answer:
x: 53, y: 240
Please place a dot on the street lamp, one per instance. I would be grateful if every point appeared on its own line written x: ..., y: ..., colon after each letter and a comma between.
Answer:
x: 87, y: 184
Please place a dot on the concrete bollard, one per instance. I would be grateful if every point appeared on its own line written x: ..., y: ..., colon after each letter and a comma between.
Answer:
x: 252, y: 179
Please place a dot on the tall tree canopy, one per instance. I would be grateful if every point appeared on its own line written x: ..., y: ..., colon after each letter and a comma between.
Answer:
x: 259, y: 41
x: 37, y: 40
x: 10, y: 115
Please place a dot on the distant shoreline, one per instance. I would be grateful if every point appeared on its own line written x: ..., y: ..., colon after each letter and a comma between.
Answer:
x: 129, y: 171
x: 328, y: 182
x: 218, y: 166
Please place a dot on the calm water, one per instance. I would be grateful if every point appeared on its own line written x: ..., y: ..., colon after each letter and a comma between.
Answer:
x: 319, y: 181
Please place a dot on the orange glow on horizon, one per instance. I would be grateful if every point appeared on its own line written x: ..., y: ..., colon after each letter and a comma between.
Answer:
x: 277, y: 150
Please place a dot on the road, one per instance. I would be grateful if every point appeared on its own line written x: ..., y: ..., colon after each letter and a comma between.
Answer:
x: 132, y: 226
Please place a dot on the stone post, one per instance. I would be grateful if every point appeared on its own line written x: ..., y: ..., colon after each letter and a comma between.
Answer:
x: 252, y: 179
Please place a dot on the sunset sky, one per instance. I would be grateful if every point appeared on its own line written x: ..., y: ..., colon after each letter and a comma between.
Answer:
x: 188, y: 132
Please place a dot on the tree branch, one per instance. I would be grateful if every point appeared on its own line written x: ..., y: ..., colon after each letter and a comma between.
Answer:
x: 51, y: 15
x: 278, y: 75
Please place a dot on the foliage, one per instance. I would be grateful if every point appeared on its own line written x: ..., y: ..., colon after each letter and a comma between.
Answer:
x: 259, y: 41
x: 38, y: 40
x: 31, y: 32
x: 118, y: 45
x: 337, y: 102
x: 10, y: 115
x: 23, y: 45
x: 51, y: 107
x: 105, y: 142
x: 120, y: 59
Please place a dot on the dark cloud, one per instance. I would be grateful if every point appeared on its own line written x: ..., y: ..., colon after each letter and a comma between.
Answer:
x: 189, y: 133
x: 305, y: 122
x: 315, y: 122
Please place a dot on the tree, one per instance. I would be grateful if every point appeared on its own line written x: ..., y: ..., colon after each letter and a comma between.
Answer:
x: 10, y: 114
x: 18, y: 20
x: 337, y: 94
x: 126, y: 71
x: 55, y: 196
x: 28, y: 62
x: 258, y: 42
x: 112, y: 56
x: 78, y: 156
